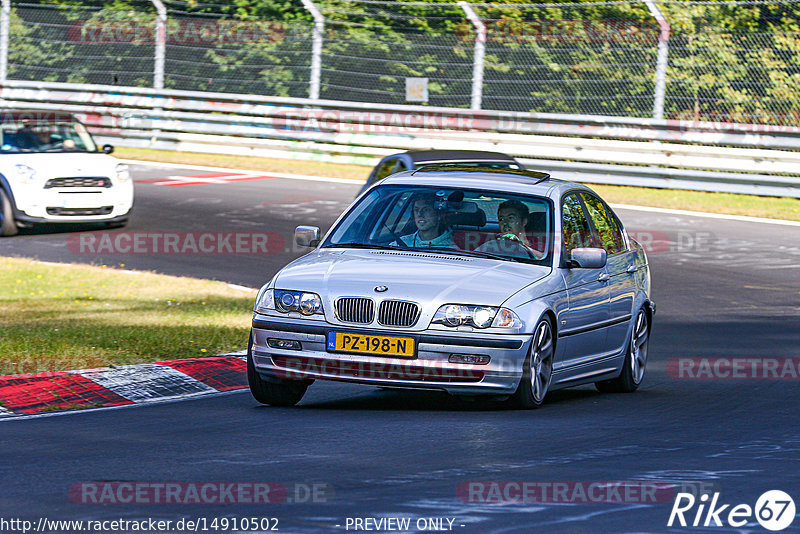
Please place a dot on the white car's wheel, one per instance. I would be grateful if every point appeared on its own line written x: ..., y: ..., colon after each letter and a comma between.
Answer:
x: 7, y: 225
x: 633, y: 369
x: 538, y: 368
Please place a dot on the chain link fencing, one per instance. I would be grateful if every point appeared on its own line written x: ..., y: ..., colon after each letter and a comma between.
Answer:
x: 736, y: 61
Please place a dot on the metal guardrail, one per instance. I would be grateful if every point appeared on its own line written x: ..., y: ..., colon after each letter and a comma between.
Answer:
x: 737, y: 158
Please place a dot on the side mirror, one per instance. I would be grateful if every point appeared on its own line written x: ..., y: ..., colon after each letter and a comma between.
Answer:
x: 108, y: 149
x: 588, y: 258
x: 306, y: 236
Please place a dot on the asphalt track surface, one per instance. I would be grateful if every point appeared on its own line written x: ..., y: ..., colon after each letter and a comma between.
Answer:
x: 723, y: 288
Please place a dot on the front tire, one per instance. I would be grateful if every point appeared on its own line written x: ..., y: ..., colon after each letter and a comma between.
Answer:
x: 279, y: 393
x: 8, y: 226
x: 633, y: 368
x: 537, y: 370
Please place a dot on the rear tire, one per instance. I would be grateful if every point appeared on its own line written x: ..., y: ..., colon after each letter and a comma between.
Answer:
x: 279, y: 393
x: 8, y: 226
x: 537, y: 372
x: 633, y: 368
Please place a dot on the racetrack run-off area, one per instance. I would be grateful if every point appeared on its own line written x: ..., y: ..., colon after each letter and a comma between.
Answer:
x: 728, y: 295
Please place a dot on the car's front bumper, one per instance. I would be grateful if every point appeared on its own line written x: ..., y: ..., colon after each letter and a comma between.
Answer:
x: 33, y: 205
x: 429, y: 369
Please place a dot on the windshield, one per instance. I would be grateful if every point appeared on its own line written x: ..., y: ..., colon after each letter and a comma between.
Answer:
x: 45, y: 136
x: 481, y: 223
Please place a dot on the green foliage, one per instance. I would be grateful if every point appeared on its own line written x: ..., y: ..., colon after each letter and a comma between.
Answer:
x: 727, y: 61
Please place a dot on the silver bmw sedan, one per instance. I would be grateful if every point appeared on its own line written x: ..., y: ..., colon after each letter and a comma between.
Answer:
x: 502, y: 283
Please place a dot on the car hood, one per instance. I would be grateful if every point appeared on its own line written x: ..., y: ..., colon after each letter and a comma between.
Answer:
x: 61, y: 164
x: 427, y: 278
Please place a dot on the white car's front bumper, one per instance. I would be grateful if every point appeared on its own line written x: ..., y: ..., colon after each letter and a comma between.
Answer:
x: 33, y: 203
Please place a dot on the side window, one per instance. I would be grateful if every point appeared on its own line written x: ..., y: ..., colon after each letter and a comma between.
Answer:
x: 577, y: 232
x: 384, y: 169
x: 606, y: 226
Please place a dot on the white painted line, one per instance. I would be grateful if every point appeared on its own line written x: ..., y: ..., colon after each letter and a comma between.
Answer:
x: 6, y: 413
x: 741, y: 218
x: 249, y: 172
x: 237, y: 354
x: 146, y: 382
x: 243, y: 288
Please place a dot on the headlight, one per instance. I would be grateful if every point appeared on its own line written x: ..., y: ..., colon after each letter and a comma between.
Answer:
x: 478, y: 316
x: 123, y: 174
x: 293, y: 301
x: 265, y: 300
x: 25, y: 173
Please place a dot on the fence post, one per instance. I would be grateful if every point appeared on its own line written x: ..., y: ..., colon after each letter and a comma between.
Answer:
x: 480, y: 51
x: 316, y: 48
x: 5, y: 21
x: 161, y: 44
x: 661, y: 61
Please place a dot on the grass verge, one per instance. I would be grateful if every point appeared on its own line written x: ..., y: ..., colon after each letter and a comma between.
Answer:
x: 63, y: 317
x: 728, y: 203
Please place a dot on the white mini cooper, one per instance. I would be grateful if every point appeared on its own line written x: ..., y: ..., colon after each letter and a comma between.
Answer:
x: 51, y: 171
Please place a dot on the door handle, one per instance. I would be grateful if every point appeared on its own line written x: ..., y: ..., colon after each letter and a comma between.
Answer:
x: 603, y: 277
x: 631, y: 269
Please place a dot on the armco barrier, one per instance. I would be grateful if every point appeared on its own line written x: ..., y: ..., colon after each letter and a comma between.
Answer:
x: 737, y: 158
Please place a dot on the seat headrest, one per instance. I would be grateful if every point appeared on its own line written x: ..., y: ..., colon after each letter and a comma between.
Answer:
x: 537, y: 222
x: 467, y: 218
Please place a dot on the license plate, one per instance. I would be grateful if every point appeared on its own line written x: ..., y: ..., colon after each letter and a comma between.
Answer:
x: 80, y: 200
x: 368, y: 344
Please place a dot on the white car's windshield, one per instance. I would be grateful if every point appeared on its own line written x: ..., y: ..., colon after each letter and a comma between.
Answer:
x: 45, y: 136
x: 482, y: 223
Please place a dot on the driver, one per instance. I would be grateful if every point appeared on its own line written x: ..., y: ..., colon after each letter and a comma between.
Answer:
x: 432, y: 230
x: 512, y: 216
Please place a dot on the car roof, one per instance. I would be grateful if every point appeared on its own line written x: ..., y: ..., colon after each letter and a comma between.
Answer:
x: 424, y: 156
x: 505, y: 180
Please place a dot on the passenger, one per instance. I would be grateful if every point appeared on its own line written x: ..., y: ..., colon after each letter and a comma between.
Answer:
x: 432, y: 229
x: 512, y: 216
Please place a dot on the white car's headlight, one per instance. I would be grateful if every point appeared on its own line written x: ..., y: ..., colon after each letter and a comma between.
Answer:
x: 454, y: 315
x: 25, y: 173
x: 290, y: 301
x: 123, y: 173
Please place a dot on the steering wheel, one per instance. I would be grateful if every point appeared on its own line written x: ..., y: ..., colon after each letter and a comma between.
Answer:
x: 515, y: 241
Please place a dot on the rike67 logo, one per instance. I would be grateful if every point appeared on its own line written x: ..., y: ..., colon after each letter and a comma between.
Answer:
x: 774, y: 510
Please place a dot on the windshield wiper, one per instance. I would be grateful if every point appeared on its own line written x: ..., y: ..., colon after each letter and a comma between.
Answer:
x: 475, y: 253
x: 368, y: 246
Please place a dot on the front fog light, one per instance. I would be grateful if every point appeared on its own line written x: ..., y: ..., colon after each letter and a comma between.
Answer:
x: 475, y: 359
x: 285, y: 344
